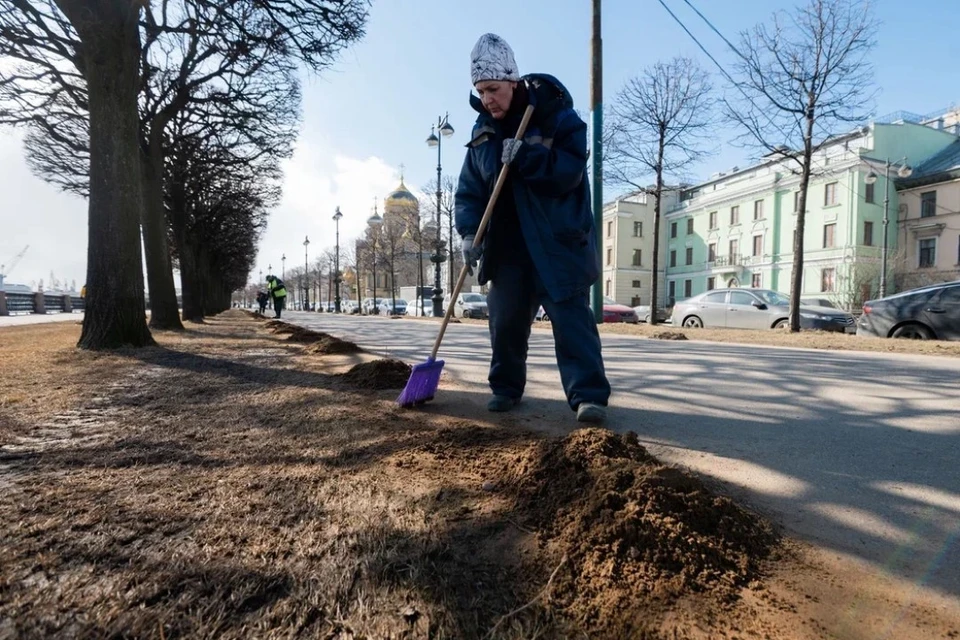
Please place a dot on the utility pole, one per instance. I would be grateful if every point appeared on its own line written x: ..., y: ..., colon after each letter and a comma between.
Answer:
x: 596, y: 150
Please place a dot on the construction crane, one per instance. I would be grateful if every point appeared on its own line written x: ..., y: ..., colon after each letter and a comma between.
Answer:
x: 4, y: 270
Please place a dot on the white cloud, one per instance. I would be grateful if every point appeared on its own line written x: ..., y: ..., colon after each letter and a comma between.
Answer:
x: 317, y: 181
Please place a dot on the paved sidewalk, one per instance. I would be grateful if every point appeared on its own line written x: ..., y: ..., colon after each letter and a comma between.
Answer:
x: 32, y: 318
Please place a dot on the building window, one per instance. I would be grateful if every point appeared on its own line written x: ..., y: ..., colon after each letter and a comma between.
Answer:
x: 734, y: 251
x: 757, y: 245
x: 689, y: 226
x: 712, y: 252
x: 928, y: 252
x: 673, y: 229
x: 671, y: 292
x: 829, y: 235
x: 758, y: 210
x: 609, y: 256
x: 711, y: 283
x: 689, y: 256
x: 637, y: 229
x: 868, y: 194
x: 609, y: 287
x: 713, y: 219
x: 635, y: 301
x: 756, y: 281
x: 796, y: 201
x: 826, y: 280
x: 610, y: 229
x: 687, y: 288
x: 735, y: 215
x: 868, y: 233
x: 637, y: 284
x: 829, y: 194
x: 637, y: 257
x: 673, y: 258
x: 928, y: 204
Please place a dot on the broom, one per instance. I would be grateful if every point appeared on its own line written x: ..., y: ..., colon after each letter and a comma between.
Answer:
x: 425, y: 378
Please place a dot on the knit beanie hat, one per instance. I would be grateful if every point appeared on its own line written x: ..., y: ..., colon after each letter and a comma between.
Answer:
x: 492, y: 59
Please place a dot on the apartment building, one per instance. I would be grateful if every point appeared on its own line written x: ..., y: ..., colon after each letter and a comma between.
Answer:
x: 738, y: 228
x: 627, y: 258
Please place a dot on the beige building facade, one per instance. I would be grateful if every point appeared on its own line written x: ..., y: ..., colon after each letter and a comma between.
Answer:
x: 627, y: 258
x: 929, y: 221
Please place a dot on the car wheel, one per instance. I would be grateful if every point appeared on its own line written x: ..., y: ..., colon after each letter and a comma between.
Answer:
x: 693, y: 322
x: 544, y: 317
x: 780, y: 324
x: 913, y: 332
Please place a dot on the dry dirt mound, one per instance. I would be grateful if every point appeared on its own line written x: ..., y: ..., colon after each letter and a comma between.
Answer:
x: 379, y: 374
x: 278, y: 326
x: 637, y: 535
x: 669, y: 335
x: 329, y: 345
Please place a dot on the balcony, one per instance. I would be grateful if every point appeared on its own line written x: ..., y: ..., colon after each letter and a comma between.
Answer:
x: 727, y: 264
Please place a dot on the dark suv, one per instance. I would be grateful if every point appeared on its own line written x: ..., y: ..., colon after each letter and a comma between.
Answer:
x: 928, y: 313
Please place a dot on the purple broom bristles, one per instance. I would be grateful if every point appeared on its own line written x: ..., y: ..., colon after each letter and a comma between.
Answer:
x: 422, y: 385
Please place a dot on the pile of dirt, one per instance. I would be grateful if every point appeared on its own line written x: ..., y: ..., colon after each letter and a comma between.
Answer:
x: 379, y: 374
x: 278, y: 326
x: 304, y: 336
x: 637, y: 535
x: 669, y: 335
x: 329, y: 345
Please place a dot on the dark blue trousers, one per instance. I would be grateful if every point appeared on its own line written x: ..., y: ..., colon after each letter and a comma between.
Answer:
x: 515, y: 294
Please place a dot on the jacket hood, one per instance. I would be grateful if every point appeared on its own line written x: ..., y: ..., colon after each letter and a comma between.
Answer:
x: 546, y: 92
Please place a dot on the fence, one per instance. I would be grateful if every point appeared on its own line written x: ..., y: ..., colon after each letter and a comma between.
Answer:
x: 42, y: 303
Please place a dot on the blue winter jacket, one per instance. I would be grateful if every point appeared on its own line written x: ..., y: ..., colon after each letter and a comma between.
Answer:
x: 550, y: 188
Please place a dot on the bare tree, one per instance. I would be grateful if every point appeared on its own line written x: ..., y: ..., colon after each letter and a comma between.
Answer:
x: 803, y: 79
x: 660, y: 123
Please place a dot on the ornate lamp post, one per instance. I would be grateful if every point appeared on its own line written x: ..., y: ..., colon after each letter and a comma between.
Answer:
x: 375, y: 222
x: 336, y: 262
x: 904, y: 171
x: 306, y: 275
x: 445, y: 130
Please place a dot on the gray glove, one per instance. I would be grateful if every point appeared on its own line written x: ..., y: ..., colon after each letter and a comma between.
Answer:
x: 511, y: 147
x: 471, y: 254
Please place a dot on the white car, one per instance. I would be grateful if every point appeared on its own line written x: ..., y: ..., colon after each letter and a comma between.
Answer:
x: 387, y: 308
x: 413, y: 309
x: 471, y: 305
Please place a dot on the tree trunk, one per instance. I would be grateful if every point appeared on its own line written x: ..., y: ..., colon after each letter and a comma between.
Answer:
x: 114, y: 315
x: 163, y: 294
x: 796, y: 280
x: 190, y: 287
x: 657, y: 202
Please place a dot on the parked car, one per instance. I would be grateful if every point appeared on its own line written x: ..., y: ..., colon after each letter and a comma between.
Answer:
x: 616, y: 312
x: 369, y: 306
x: 387, y: 307
x: 643, y: 312
x: 471, y: 305
x: 612, y: 312
x: 927, y: 313
x: 413, y: 309
x: 754, y: 309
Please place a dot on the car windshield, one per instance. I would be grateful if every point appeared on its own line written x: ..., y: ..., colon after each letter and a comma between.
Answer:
x: 774, y: 298
x: 400, y: 301
x: 473, y: 297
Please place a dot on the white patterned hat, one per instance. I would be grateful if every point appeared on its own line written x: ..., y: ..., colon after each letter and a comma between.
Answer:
x: 492, y: 59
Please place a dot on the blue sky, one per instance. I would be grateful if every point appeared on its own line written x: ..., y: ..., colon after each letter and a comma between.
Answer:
x: 373, y: 110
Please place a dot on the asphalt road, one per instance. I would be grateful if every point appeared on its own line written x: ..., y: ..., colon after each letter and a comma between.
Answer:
x: 855, y: 452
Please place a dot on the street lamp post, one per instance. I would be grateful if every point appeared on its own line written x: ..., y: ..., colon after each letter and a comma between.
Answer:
x: 375, y: 222
x: 445, y: 130
x: 904, y: 171
x: 283, y: 267
x: 336, y: 262
x: 306, y: 275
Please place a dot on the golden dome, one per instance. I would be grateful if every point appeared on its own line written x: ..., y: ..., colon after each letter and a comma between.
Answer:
x: 401, y: 196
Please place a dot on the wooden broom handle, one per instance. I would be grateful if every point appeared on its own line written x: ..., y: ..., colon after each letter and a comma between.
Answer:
x: 478, y: 236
